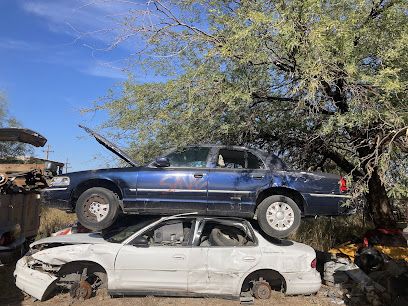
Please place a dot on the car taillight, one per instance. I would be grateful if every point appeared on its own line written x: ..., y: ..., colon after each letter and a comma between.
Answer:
x: 313, y: 264
x: 343, y: 185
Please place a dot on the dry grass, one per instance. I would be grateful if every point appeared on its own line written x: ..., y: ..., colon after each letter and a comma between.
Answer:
x: 324, y: 233
x: 53, y: 220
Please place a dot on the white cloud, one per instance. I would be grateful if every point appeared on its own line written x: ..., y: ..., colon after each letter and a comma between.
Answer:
x: 105, y: 71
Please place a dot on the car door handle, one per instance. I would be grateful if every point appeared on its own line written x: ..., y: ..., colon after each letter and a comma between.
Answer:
x: 198, y: 175
x: 249, y: 259
x: 179, y: 256
x: 257, y: 177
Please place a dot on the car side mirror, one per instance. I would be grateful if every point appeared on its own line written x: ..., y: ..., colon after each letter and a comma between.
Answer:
x: 162, y: 162
x: 140, y: 242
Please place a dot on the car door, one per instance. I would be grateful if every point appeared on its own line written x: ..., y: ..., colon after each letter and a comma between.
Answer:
x: 180, y: 187
x: 160, y: 265
x: 215, y: 268
x: 234, y: 183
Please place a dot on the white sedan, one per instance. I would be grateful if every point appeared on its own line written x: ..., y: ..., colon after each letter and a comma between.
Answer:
x: 183, y: 255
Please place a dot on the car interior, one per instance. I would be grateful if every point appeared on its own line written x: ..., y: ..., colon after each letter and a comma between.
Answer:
x: 225, y: 235
x: 171, y: 233
x: 236, y: 159
x: 190, y: 157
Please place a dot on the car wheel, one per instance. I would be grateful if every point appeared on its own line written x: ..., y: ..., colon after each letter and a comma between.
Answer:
x: 97, y: 208
x: 278, y: 216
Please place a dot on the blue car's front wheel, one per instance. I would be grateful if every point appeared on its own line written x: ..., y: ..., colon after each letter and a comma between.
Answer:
x: 97, y: 208
x: 278, y: 216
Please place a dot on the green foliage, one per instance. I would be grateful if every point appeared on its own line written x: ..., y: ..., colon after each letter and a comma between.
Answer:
x: 8, y: 150
x: 323, y: 83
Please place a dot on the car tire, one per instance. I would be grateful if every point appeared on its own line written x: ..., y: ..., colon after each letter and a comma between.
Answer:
x: 97, y: 208
x: 278, y: 216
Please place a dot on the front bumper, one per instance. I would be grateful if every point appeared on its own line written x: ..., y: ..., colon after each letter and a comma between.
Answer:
x: 35, y: 283
x: 302, y: 283
x: 57, y: 197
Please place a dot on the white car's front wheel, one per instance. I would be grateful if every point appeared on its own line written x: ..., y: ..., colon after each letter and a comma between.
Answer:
x: 278, y: 216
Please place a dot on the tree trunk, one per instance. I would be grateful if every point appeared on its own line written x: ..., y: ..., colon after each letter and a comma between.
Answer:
x: 378, y: 204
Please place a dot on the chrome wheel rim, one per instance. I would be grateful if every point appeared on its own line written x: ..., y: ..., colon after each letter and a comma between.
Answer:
x: 96, y: 208
x: 280, y: 216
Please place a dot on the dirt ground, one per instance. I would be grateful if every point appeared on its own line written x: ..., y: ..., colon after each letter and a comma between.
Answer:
x: 11, y: 295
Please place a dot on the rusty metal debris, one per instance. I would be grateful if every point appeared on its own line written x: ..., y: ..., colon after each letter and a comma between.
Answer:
x: 373, y: 272
x: 261, y: 289
x: 81, y: 290
x: 21, y: 178
x: 22, y: 182
x: 22, y: 174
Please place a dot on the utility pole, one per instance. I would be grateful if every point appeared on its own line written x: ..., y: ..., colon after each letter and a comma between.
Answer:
x: 67, y: 166
x: 47, y: 151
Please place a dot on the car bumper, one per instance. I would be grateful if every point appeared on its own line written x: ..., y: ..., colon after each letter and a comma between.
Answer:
x: 302, y: 283
x: 35, y: 283
x: 57, y: 198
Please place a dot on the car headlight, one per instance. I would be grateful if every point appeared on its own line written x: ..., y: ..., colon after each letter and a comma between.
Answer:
x: 59, y: 181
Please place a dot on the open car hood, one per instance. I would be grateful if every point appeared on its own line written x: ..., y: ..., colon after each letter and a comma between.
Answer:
x: 22, y: 135
x: 110, y: 146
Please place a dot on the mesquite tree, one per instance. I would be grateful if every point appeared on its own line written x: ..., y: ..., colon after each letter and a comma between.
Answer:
x: 9, y: 150
x: 323, y: 83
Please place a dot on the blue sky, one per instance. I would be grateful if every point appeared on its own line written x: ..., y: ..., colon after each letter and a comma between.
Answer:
x: 49, y: 70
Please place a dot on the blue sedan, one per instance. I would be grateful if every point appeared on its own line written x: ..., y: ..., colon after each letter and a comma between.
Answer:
x: 207, y: 179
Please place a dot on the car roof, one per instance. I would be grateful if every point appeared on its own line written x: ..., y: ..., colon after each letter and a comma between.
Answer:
x: 222, y: 146
x: 200, y: 216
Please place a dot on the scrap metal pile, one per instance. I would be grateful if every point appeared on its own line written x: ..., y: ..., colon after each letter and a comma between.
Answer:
x: 22, y: 182
x: 374, y: 271
x: 21, y: 174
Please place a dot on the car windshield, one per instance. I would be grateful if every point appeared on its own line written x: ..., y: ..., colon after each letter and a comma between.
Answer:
x: 121, y: 233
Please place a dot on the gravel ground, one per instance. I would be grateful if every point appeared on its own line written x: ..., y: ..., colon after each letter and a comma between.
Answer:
x: 11, y: 295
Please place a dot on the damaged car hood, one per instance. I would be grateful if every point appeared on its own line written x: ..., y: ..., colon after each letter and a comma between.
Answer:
x: 89, y: 238
x: 110, y: 146
x: 22, y: 135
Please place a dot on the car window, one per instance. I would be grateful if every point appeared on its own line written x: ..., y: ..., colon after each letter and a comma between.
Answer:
x: 217, y: 234
x: 231, y: 159
x: 170, y: 233
x: 189, y: 157
x: 121, y: 233
x: 237, y: 159
x: 254, y: 162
